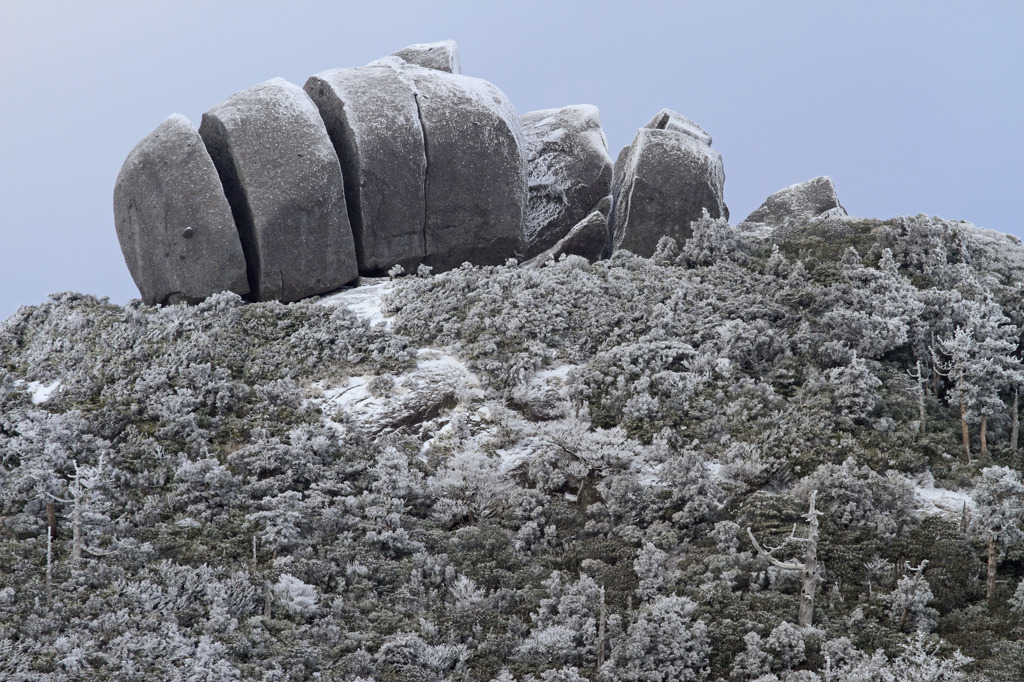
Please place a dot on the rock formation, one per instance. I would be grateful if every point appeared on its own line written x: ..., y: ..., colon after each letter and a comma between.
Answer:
x: 569, y: 171
x: 288, y: 192
x: 441, y: 56
x: 173, y: 220
x: 802, y: 202
x: 663, y: 181
x: 283, y: 181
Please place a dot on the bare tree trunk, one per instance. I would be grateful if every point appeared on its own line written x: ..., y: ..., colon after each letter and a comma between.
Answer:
x: 267, y: 607
x: 1015, y: 431
x: 76, y: 521
x: 51, y: 517
x: 963, y: 429
x: 993, y: 558
x: 810, y: 569
x: 600, y: 634
x: 49, y: 564
x: 984, y: 438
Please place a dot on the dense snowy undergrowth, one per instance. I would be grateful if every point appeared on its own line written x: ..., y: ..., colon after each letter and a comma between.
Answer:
x: 509, y: 473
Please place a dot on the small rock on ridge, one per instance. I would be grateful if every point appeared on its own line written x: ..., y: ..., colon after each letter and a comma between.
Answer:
x: 587, y: 239
x: 283, y: 181
x: 663, y: 181
x: 173, y: 221
x: 441, y: 56
x: 802, y: 202
x: 569, y: 171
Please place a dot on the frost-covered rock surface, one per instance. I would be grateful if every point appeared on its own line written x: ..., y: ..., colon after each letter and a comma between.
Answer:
x: 799, y: 203
x: 513, y: 473
x: 173, y: 220
x: 442, y: 56
x: 665, y: 179
x: 569, y: 171
x: 282, y: 179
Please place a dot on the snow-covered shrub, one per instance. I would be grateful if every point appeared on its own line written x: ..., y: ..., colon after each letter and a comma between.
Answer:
x: 298, y: 599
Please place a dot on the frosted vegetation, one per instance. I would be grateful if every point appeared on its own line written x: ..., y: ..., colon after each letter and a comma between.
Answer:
x: 533, y: 474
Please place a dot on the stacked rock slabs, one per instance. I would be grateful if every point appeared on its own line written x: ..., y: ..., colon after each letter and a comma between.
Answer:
x: 663, y: 181
x: 569, y: 171
x: 373, y: 121
x: 173, y: 221
x: 283, y: 181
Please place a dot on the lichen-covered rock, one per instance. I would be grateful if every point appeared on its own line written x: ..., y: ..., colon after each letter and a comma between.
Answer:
x: 476, y: 168
x: 569, y: 171
x: 588, y: 239
x: 441, y: 56
x: 283, y: 181
x: 173, y: 221
x: 802, y: 202
x: 663, y: 181
x: 373, y: 120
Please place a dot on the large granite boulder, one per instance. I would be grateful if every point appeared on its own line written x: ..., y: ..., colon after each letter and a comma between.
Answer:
x: 569, y: 171
x: 475, y: 186
x: 373, y: 120
x: 802, y: 202
x: 663, y: 181
x: 283, y: 181
x: 173, y: 220
x: 587, y: 239
x: 442, y: 56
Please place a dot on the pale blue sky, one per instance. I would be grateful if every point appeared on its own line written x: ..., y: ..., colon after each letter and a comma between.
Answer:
x: 911, y: 107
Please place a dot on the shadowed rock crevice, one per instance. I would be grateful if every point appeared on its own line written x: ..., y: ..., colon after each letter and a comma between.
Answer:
x: 215, y: 138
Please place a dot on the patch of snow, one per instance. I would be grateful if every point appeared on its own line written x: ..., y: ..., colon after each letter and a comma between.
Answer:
x: 560, y: 372
x: 39, y: 392
x: 934, y: 500
x: 364, y: 300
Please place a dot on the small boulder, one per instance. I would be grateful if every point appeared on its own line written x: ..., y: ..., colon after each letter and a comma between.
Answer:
x: 373, y: 120
x: 441, y: 56
x: 802, y: 202
x: 664, y: 180
x: 475, y: 190
x: 173, y: 221
x: 283, y: 181
x: 569, y: 171
x: 587, y: 239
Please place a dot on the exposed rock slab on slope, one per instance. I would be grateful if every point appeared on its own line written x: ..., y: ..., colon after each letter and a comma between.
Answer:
x: 373, y: 120
x: 569, y: 171
x: 283, y: 181
x: 663, y: 181
x: 173, y: 220
x: 802, y: 202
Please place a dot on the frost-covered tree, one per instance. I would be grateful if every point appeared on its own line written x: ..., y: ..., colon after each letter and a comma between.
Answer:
x: 998, y: 515
x: 664, y: 643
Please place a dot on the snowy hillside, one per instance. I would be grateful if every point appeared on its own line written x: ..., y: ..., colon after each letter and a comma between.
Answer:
x: 533, y: 473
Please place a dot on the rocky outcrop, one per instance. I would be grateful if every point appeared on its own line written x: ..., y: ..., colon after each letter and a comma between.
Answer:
x: 373, y: 120
x: 173, y: 221
x: 587, y: 239
x: 441, y: 56
x: 569, y: 171
x: 663, y: 181
x: 801, y: 203
x: 289, y: 192
x: 282, y: 179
